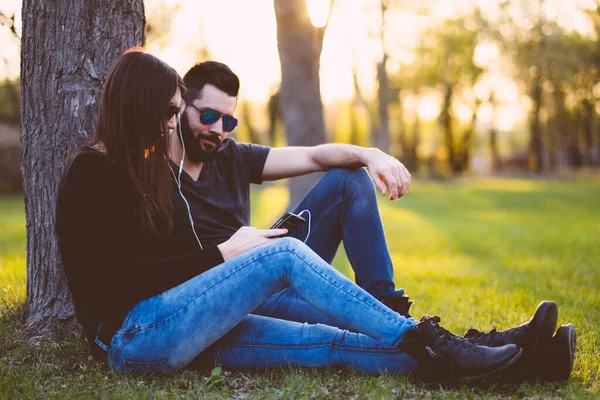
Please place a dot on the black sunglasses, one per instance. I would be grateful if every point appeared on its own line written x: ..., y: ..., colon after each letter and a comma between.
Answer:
x: 208, y: 116
x: 172, y: 110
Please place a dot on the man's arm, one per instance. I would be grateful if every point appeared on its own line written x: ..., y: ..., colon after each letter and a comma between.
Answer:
x: 286, y: 162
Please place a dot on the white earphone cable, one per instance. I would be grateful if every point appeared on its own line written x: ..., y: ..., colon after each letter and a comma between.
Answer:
x: 178, y: 181
x: 309, y: 218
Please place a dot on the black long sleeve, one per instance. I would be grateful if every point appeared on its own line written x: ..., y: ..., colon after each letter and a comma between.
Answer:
x: 110, y: 263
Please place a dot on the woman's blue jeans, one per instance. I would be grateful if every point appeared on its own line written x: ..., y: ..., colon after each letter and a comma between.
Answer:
x: 211, y: 313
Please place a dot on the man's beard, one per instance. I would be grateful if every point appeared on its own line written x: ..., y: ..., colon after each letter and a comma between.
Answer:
x: 193, y: 148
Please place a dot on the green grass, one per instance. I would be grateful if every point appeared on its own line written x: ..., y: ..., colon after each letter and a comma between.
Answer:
x: 478, y: 253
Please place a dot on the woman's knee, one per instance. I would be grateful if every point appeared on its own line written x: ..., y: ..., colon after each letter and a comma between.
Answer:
x: 291, y: 243
x: 297, y: 249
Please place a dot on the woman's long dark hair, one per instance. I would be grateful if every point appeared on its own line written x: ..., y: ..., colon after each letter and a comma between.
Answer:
x: 131, y: 125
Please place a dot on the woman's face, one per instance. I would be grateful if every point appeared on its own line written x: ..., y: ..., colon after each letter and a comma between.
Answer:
x: 176, y: 101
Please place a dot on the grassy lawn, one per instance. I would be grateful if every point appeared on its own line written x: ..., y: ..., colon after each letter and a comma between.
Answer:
x: 480, y: 253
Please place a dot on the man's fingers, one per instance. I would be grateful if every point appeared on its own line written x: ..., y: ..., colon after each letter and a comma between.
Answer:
x: 378, y: 181
x: 405, y: 182
x: 400, y: 184
x: 392, y: 183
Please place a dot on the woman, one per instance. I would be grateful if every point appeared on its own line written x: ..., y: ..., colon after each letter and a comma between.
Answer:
x: 147, y: 313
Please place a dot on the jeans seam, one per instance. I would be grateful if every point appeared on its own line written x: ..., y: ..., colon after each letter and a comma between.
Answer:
x: 267, y: 344
x: 339, y: 287
x: 313, y: 345
x: 117, y: 352
x: 345, y: 207
x: 151, y: 324
x: 314, y: 227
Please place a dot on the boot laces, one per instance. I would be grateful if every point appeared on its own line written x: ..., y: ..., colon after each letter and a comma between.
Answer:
x: 494, y: 336
x: 452, y: 341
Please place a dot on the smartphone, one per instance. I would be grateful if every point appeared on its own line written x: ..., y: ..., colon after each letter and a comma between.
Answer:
x: 288, y: 221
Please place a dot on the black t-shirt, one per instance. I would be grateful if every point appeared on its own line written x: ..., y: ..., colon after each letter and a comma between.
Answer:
x: 220, y: 199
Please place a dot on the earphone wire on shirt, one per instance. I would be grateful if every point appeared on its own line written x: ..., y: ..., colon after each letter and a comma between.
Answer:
x: 178, y: 181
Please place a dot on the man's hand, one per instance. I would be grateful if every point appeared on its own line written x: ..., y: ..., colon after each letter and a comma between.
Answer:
x: 247, y: 238
x: 386, y: 170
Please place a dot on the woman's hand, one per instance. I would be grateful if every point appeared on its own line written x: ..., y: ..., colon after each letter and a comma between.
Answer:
x: 247, y: 238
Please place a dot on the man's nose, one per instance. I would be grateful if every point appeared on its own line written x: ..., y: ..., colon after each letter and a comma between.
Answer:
x: 217, y: 127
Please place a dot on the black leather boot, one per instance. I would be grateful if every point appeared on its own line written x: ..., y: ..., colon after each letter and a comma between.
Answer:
x: 399, y: 303
x: 544, y: 357
x: 556, y: 355
x: 527, y: 336
x: 446, y: 358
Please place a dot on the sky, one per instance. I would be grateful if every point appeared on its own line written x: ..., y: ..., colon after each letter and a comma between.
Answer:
x: 242, y: 34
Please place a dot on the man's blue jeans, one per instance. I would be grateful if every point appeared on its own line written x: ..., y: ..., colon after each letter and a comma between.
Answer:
x: 165, y: 332
x: 343, y: 206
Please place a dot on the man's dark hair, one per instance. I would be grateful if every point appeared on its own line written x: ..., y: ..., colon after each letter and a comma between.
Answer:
x: 210, y: 72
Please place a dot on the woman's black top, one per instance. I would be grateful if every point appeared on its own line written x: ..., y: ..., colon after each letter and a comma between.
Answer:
x: 109, y: 262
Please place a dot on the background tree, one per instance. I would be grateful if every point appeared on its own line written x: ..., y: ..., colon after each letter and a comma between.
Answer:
x: 558, y: 70
x: 385, y: 94
x: 445, y: 62
x: 67, y: 48
x: 300, y: 44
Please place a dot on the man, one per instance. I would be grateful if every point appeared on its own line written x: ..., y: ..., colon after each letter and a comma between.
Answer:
x: 212, y: 202
x: 342, y: 205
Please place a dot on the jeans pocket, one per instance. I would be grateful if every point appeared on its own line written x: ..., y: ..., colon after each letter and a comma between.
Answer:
x: 149, y: 368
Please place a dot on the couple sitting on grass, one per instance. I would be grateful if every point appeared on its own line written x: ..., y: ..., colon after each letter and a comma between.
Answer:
x: 153, y: 224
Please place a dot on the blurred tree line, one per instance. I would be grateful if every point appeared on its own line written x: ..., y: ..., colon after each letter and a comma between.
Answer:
x: 555, y: 68
x: 10, y: 118
x: 10, y: 89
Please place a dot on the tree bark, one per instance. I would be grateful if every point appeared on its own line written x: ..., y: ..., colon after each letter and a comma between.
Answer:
x: 300, y: 45
x: 536, y: 149
x: 445, y: 120
x: 67, y: 48
x: 587, y: 109
x: 381, y: 135
x: 494, y: 153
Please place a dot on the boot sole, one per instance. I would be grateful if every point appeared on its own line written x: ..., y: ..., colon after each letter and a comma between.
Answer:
x: 480, y: 378
x: 543, y: 323
x: 568, y: 336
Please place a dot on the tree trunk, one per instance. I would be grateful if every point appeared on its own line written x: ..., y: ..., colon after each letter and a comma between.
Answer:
x: 463, y: 153
x: 275, y: 116
x: 588, y: 130
x: 359, y: 101
x: 381, y: 135
x: 300, y: 44
x: 536, y: 150
x: 67, y: 48
x: 409, y: 147
x: 494, y: 153
x: 254, y: 136
x: 445, y: 120
x: 575, y: 157
x: 354, y: 130
x: 552, y: 140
